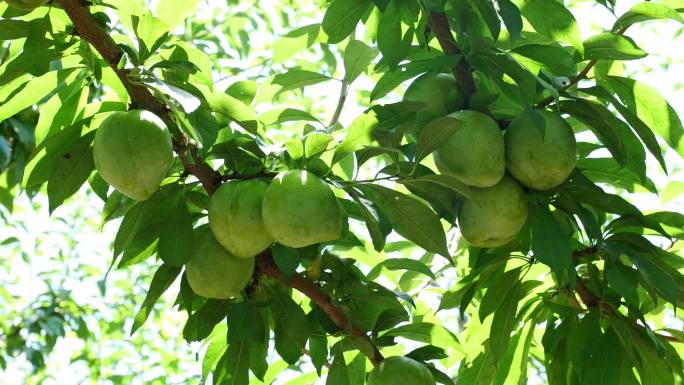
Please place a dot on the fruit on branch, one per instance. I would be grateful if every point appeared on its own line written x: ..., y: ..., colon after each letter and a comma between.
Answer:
x: 300, y: 209
x: 26, y: 5
x: 495, y: 215
x: 439, y: 92
x: 235, y: 217
x: 475, y: 152
x: 212, y: 271
x: 540, y: 161
x: 400, y: 370
x: 133, y: 152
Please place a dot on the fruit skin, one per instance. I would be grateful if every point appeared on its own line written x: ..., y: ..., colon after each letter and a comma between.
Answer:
x: 400, y: 370
x: 300, y: 209
x: 213, y: 272
x: 495, y: 216
x: 133, y: 152
x: 540, y: 163
x: 235, y: 218
x: 26, y: 5
x: 438, y: 91
x: 475, y: 152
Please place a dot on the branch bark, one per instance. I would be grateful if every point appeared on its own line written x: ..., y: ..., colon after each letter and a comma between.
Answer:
x: 141, y: 97
x: 309, y: 288
x: 439, y: 24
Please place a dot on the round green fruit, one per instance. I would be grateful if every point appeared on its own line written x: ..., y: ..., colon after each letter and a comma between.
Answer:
x: 536, y: 161
x: 495, y: 215
x: 235, y: 218
x: 475, y: 152
x: 300, y: 209
x: 133, y: 152
x: 26, y: 5
x: 213, y: 272
x: 439, y: 92
x: 400, y: 370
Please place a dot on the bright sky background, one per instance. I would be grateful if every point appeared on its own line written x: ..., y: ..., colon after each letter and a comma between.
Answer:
x: 657, y: 38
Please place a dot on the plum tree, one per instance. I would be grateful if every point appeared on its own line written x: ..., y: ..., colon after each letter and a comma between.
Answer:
x: 495, y: 215
x: 213, y: 272
x: 400, y: 370
x: 541, y: 150
x: 235, y: 217
x: 300, y: 209
x: 133, y: 152
x: 475, y: 151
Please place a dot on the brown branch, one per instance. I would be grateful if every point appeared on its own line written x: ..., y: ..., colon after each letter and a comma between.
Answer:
x: 141, y: 97
x: 88, y: 28
x: 591, y: 301
x: 310, y: 289
x: 439, y: 24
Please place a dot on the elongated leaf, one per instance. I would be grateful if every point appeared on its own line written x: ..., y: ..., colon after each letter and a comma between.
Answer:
x: 234, y: 109
x: 358, y: 134
x: 71, y: 171
x: 410, y: 218
x: 612, y: 46
x: 510, y: 14
x: 651, y: 108
x: 295, y: 79
x: 162, y: 280
x: 295, y: 41
x: 444, y: 180
x: 551, y: 245
x: 644, y: 12
x: 342, y: 16
x: 489, y: 15
x: 373, y: 219
x: 389, y: 35
x: 176, y: 235
x: 233, y: 368
x: 503, y: 323
x: 357, y: 57
x: 401, y: 264
x: 291, y: 327
x: 480, y: 372
x: 15, y: 29
x: 434, y: 135
x: 553, y: 20
x: 35, y: 90
x: 201, y: 323
x: 338, y: 374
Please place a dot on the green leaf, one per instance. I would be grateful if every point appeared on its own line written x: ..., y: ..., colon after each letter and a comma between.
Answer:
x: 71, y: 171
x: 480, y: 372
x: 233, y: 368
x: 494, y: 296
x: 217, y: 346
x: 551, y: 245
x: 234, y: 109
x: 342, y: 16
x: 651, y: 108
x: 400, y: 264
x: 162, y: 280
x: 612, y: 46
x: 392, y: 79
x: 35, y: 90
x: 644, y: 12
x: 503, y: 323
x: 318, y: 349
x: 286, y: 258
x: 443, y: 180
x: 295, y: 41
x: 662, y: 278
x: 389, y: 35
x: 357, y: 57
x: 434, y: 135
x: 410, y: 218
x: 176, y: 236
x: 291, y: 326
x: 294, y: 79
x: 373, y: 219
x: 174, y: 12
x: 426, y: 332
x: 201, y: 323
x: 243, y: 90
x: 549, y: 57
x: 282, y: 115
x: 553, y: 20
x: 337, y: 374
x: 316, y: 143
x: 603, y: 367
x: 15, y: 29
x: 510, y: 14
x: 359, y: 133
x: 488, y: 13
x: 607, y: 170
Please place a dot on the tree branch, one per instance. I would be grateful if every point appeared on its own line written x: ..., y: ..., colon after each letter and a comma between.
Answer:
x: 439, y: 24
x: 591, y: 301
x: 310, y: 289
x: 141, y: 97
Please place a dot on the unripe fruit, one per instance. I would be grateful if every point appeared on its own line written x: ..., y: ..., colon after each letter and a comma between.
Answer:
x: 438, y: 91
x: 26, y: 5
x: 213, y: 272
x: 300, y: 209
x: 400, y: 370
x: 133, y: 152
x: 495, y: 216
x: 536, y: 161
x: 475, y: 152
x: 235, y: 218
